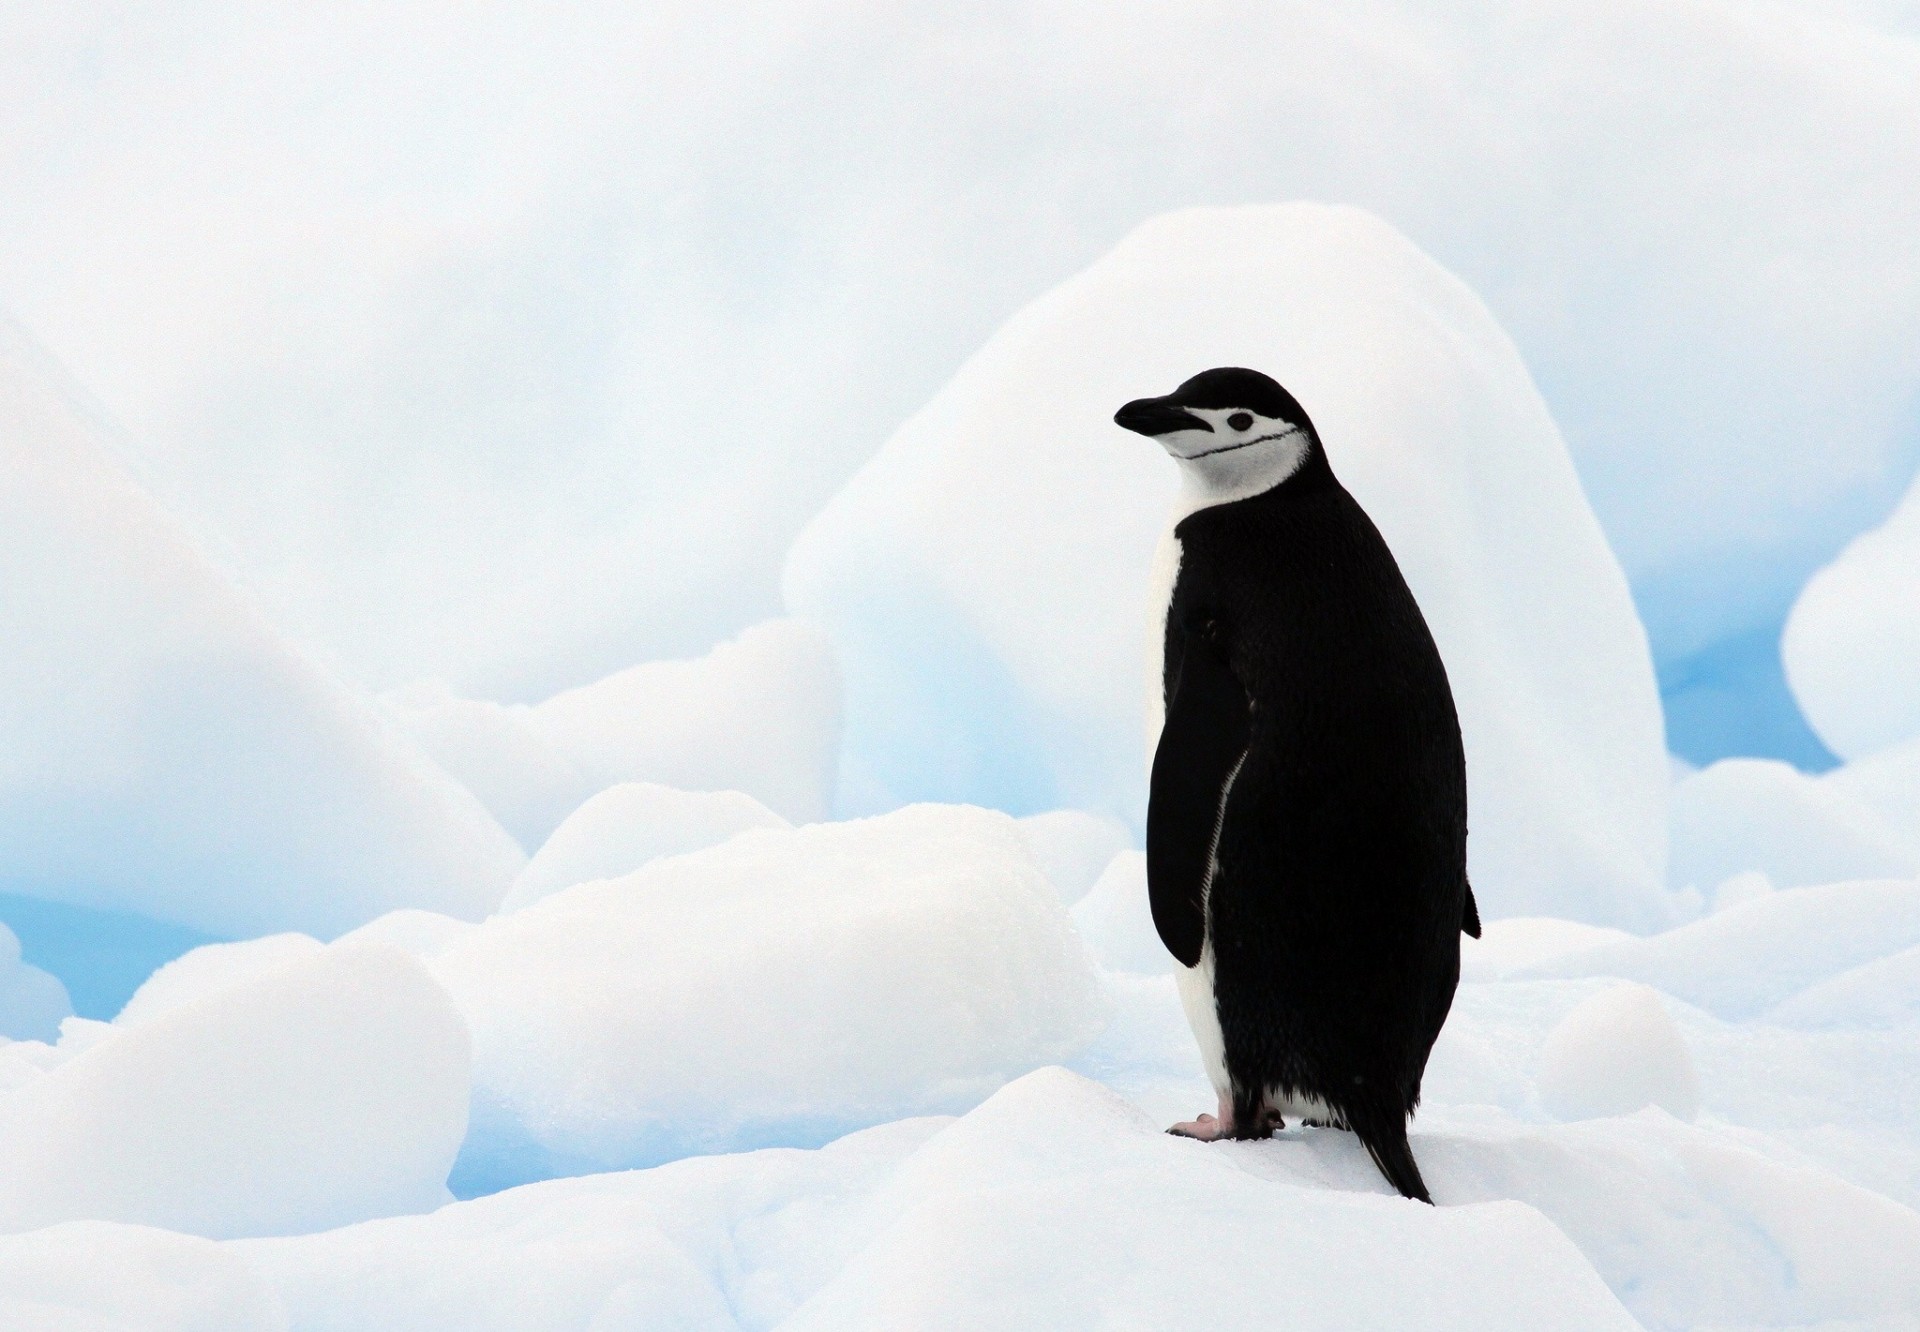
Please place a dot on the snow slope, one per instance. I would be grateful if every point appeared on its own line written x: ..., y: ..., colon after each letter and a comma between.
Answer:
x: 983, y: 577
x: 166, y: 753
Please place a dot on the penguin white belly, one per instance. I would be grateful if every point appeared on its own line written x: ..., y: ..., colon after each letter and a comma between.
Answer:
x: 1203, y: 1016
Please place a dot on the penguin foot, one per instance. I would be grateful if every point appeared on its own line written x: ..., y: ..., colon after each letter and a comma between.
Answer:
x: 1204, y: 1129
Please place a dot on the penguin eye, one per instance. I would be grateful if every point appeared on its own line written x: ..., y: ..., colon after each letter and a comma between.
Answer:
x: 1240, y: 420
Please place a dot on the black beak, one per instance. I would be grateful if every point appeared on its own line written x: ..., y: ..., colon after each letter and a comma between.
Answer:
x: 1157, y: 416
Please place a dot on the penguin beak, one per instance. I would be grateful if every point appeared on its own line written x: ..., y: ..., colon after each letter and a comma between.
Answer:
x: 1157, y: 416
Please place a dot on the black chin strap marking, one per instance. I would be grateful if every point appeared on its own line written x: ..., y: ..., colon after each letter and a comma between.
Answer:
x: 1246, y: 444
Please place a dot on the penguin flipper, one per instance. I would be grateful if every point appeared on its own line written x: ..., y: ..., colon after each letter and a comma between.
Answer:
x: 1201, y: 746
x: 1470, y: 918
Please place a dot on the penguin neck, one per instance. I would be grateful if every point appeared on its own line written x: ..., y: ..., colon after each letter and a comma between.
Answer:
x: 1206, y: 483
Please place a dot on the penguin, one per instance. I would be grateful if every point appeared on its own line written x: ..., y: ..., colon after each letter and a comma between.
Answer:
x: 1307, y: 810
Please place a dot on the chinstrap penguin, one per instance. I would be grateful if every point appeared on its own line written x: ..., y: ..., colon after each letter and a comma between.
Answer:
x: 1307, y: 822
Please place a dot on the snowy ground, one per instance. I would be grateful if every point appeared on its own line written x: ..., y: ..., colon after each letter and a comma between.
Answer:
x: 1741, y: 1149
x: 602, y: 1013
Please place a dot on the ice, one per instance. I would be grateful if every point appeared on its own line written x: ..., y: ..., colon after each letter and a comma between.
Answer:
x: 759, y: 714
x: 1616, y: 1053
x: 1882, y: 993
x: 1073, y: 847
x: 96, y: 1276
x: 31, y: 1001
x: 1056, y: 1204
x: 525, y: 783
x: 1004, y: 1224
x: 166, y: 753
x: 1523, y: 941
x: 625, y: 826
x: 782, y: 987
x: 1742, y: 815
x: 319, y: 1093
x: 1853, y: 636
x: 1001, y: 661
x: 1741, y: 961
x: 588, y: 369
x: 1116, y: 919
x: 1887, y: 783
x: 214, y: 969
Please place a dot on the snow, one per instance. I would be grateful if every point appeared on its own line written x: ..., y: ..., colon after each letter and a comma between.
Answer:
x: 322, y: 1092
x: 96, y: 1276
x: 1616, y: 1053
x: 1001, y: 662
x: 1853, y: 636
x: 166, y: 753
x: 760, y: 714
x: 1741, y: 961
x: 1734, y: 1147
x: 519, y: 398
x: 214, y: 969
x: 1116, y: 919
x: 31, y: 1001
x: 694, y: 1066
x: 1747, y: 815
x: 1073, y: 847
x: 625, y: 826
x: 525, y: 783
x: 782, y: 987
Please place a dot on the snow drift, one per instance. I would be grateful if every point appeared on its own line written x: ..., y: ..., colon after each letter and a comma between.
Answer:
x: 625, y: 826
x: 759, y: 714
x: 785, y: 986
x: 1853, y: 637
x: 165, y: 753
x: 983, y: 576
x: 322, y: 1092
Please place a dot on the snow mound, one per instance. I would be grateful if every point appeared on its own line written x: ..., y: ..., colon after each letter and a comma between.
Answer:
x: 525, y: 783
x: 418, y: 932
x: 214, y: 969
x: 625, y: 826
x: 1882, y: 993
x: 1742, y: 961
x: 983, y: 578
x: 95, y: 1276
x: 1744, y: 815
x: 760, y: 714
x: 1519, y: 942
x: 165, y: 753
x: 1116, y: 919
x: 785, y: 986
x: 1001, y: 1223
x: 327, y: 1091
x: 1852, y: 638
x: 31, y: 1002
x: 1616, y: 1053
x: 1887, y: 783
x: 1073, y: 847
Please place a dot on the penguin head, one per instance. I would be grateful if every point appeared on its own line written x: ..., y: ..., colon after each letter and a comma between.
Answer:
x: 1229, y: 429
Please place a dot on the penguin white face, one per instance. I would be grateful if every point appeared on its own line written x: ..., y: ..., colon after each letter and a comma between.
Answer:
x: 1231, y: 430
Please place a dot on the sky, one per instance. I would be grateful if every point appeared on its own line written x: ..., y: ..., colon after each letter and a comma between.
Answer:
x: 510, y: 345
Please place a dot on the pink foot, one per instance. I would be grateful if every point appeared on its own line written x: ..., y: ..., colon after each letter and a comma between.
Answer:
x: 1206, y: 1129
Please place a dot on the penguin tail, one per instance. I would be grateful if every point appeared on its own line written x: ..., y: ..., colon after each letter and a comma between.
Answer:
x: 1385, y: 1138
